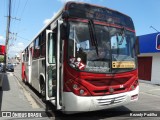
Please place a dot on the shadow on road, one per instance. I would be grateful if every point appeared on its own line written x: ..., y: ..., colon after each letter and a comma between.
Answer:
x: 1, y: 94
x: 5, y: 87
x: 94, y: 115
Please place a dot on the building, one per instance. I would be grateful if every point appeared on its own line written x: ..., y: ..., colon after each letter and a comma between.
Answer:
x: 17, y: 58
x: 149, y: 57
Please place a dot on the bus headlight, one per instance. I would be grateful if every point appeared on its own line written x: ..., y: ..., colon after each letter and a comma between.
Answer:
x: 134, y: 85
x: 75, y: 86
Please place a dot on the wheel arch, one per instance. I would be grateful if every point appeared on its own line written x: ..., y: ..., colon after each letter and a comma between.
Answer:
x: 41, y: 80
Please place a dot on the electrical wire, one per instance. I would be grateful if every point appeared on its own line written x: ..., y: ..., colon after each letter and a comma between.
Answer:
x: 14, y: 34
x: 24, y: 8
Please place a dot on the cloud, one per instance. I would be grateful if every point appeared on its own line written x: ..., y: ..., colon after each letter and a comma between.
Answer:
x: 20, y: 44
x: 46, y: 21
x: 1, y: 37
x: 17, y: 48
x: 2, y: 40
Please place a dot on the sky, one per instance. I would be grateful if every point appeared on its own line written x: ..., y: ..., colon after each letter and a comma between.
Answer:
x: 30, y: 16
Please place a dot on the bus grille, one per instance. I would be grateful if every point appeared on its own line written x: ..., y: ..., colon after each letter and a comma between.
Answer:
x: 102, y: 86
x: 111, y: 101
x: 107, y: 81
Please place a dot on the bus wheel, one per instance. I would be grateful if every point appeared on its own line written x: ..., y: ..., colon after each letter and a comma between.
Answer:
x: 43, y: 88
x: 25, y: 80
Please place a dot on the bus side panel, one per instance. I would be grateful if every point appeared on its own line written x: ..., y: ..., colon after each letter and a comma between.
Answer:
x: 35, y: 74
x: 26, y: 71
x: 23, y: 71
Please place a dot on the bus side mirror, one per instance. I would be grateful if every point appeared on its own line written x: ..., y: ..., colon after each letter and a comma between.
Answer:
x: 64, y: 30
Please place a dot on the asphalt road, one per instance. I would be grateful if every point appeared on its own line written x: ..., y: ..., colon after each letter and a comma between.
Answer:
x: 147, y: 105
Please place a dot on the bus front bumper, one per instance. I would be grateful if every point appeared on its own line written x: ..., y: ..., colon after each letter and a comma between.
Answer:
x: 75, y: 104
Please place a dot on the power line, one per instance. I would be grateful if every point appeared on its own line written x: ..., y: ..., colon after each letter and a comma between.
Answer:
x: 4, y: 9
x: 20, y: 14
x: 13, y: 11
x: 17, y: 7
x: 23, y: 38
x: 13, y: 6
x: 24, y: 8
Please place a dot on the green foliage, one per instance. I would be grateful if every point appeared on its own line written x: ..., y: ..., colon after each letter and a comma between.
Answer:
x: 1, y: 58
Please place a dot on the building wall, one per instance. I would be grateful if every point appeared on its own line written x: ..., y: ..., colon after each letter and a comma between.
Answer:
x: 155, y: 73
x: 155, y: 78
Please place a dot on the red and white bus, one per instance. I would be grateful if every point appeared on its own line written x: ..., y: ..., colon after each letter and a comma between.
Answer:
x: 84, y: 59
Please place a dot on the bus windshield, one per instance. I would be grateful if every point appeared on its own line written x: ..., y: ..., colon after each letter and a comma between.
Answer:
x: 112, y: 51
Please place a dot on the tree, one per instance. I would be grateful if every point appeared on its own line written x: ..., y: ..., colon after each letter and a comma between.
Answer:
x: 1, y: 58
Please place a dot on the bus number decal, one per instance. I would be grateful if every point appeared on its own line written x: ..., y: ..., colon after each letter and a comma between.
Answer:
x: 77, y: 63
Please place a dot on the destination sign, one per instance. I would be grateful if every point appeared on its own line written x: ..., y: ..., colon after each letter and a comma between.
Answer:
x: 123, y: 64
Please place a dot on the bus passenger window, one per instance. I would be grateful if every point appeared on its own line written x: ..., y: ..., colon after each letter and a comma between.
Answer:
x: 51, y: 49
x: 36, y: 52
x: 43, y: 44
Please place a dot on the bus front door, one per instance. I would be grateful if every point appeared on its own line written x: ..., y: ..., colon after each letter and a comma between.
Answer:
x: 53, y: 69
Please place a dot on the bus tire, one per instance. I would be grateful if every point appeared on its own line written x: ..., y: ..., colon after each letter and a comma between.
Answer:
x: 42, y: 89
x: 25, y: 80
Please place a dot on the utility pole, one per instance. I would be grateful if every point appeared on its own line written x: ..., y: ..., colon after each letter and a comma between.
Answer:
x: 7, y: 33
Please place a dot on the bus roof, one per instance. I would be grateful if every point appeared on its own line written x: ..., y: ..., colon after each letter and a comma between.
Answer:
x: 94, y: 5
x: 88, y: 11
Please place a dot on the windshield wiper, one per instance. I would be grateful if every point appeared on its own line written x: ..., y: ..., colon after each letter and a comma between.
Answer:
x: 93, y: 35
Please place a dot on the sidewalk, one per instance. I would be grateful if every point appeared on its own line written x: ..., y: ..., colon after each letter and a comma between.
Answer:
x: 149, y: 88
x: 14, y: 98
